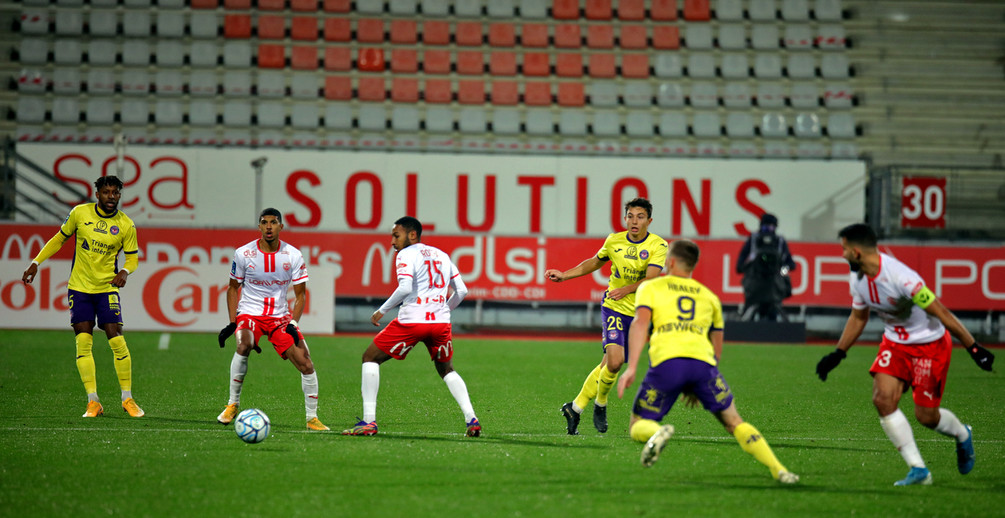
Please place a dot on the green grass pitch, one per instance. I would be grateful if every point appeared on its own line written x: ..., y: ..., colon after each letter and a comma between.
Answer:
x: 177, y: 461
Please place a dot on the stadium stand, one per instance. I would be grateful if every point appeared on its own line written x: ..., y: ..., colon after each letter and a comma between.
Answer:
x: 764, y: 58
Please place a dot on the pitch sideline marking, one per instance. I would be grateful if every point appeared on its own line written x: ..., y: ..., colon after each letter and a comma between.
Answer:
x: 165, y: 340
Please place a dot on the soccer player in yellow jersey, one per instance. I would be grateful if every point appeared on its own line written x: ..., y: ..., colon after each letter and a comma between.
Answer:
x: 95, y: 278
x: 684, y: 349
x: 635, y: 255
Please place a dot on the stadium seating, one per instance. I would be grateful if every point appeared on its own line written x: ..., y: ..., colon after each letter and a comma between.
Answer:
x: 590, y: 71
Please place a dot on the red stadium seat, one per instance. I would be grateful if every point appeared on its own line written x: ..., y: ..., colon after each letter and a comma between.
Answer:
x: 468, y: 34
x: 271, y: 5
x: 502, y: 63
x: 470, y: 62
x: 338, y: 88
x: 435, y: 33
x: 635, y: 66
x: 571, y: 94
x: 502, y: 35
x: 602, y: 65
x: 405, y: 61
x: 505, y: 93
x: 569, y: 65
x: 633, y: 37
x: 237, y: 26
x: 438, y: 91
x: 404, y: 90
x: 338, y: 58
x: 565, y: 9
x: 338, y: 29
x: 271, y: 27
x: 337, y: 6
x: 471, y: 92
x: 370, y: 59
x: 537, y: 93
x: 536, y: 64
x: 404, y: 32
x: 271, y: 56
x: 598, y: 9
x: 567, y: 36
x: 663, y: 10
x: 204, y: 4
x: 534, y: 35
x: 304, y: 57
x: 600, y: 36
x: 236, y: 4
x: 304, y: 28
x: 696, y: 10
x: 436, y: 61
x: 369, y: 30
x: 631, y: 10
x: 371, y: 89
x: 666, y: 37
x: 304, y: 6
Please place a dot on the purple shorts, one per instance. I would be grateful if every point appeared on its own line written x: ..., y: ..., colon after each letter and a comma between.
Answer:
x: 84, y: 307
x: 664, y: 383
x: 615, y: 328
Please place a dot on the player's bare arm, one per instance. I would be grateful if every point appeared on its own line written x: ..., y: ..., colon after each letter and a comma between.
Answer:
x: 120, y: 279
x: 852, y: 330
x: 375, y: 318
x: 948, y: 319
x: 29, y: 273
x: 300, y: 300
x: 638, y: 334
x: 586, y: 267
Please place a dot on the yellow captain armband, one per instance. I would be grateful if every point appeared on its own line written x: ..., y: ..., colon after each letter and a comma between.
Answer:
x: 924, y: 297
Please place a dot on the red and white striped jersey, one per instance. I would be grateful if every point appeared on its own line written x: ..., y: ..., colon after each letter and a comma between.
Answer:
x: 890, y: 293
x: 424, y: 275
x: 266, y: 278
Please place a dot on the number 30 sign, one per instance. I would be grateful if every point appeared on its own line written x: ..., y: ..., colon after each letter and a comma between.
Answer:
x: 923, y: 202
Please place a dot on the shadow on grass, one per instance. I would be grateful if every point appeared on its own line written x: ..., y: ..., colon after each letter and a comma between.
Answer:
x: 487, y: 440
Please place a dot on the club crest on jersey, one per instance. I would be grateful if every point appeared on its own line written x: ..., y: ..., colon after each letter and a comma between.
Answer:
x: 114, y: 230
x: 632, y: 252
x: 612, y: 335
x: 287, y: 266
x: 644, y: 255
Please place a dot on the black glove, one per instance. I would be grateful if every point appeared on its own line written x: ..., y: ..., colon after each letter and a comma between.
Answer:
x: 226, y: 333
x: 827, y: 363
x: 981, y: 356
x: 292, y: 331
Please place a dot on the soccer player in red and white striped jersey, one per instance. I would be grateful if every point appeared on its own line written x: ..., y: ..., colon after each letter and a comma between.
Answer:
x: 914, y: 353
x: 426, y: 276
x: 260, y: 277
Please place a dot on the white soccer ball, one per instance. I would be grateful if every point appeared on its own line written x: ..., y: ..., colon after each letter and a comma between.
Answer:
x: 252, y: 425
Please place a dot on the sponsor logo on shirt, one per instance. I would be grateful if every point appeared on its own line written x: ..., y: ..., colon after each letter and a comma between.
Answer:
x: 632, y: 253
x: 101, y: 227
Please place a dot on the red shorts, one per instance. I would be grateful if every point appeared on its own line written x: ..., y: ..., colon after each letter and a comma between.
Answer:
x: 923, y: 366
x: 271, y: 327
x: 398, y: 339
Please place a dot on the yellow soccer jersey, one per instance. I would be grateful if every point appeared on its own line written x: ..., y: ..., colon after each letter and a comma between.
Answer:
x: 99, y: 239
x: 684, y: 311
x: 629, y: 263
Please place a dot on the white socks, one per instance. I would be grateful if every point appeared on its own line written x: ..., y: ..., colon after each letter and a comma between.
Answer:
x: 950, y: 425
x: 309, y: 382
x: 238, y: 369
x: 460, y: 392
x: 899, y: 431
x: 371, y: 384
